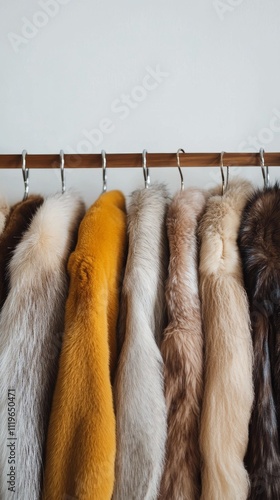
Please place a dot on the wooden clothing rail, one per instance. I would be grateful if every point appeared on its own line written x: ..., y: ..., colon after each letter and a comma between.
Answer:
x: 131, y: 160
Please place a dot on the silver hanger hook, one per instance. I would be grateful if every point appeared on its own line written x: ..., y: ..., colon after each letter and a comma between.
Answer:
x: 104, y: 170
x: 146, y: 170
x: 224, y: 181
x: 265, y: 171
x: 62, y: 171
x: 179, y: 168
x: 25, y: 174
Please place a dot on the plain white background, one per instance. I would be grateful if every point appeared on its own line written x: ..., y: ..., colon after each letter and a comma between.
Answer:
x: 122, y: 76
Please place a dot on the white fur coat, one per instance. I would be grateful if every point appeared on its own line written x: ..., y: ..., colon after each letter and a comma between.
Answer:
x: 139, y: 393
x: 31, y: 326
x: 228, y: 391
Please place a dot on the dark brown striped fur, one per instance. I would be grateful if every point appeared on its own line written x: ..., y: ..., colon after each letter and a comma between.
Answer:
x: 259, y: 242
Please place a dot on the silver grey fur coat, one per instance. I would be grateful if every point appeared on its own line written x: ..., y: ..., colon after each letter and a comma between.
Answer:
x: 31, y: 325
x: 139, y: 392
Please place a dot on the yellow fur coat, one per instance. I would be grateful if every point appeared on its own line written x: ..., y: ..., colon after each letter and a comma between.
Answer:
x: 81, y: 440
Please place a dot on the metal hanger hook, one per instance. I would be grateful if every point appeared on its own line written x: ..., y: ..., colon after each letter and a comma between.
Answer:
x: 25, y: 174
x: 62, y: 171
x: 224, y: 181
x: 104, y: 170
x: 179, y: 168
x: 265, y: 171
x: 146, y: 170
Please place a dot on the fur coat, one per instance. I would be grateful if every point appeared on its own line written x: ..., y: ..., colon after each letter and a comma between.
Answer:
x: 228, y: 394
x: 4, y: 212
x: 31, y: 324
x: 81, y: 437
x: 17, y: 223
x: 259, y: 241
x: 139, y: 392
x: 182, y: 350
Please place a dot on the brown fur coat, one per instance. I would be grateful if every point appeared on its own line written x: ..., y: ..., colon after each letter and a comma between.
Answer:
x: 17, y: 223
x: 182, y: 350
x: 228, y: 392
x: 259, y: 242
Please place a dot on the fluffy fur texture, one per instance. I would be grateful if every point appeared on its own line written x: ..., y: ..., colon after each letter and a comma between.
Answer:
x: 81, y: 438
x: 139, y: 392
x: 31, y: 324
x: 17, y: 223
x: 228, y: 394
x: 182, y: 350
x: 4, y: 212
x: 259, y: 242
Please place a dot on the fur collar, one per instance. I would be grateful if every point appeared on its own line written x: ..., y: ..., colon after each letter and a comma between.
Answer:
x: 31, y: 324
x: 139, y: 395
x: 182, y: 350
x: 228, y: 394
x: 17, y: 223
x: 259, y: 241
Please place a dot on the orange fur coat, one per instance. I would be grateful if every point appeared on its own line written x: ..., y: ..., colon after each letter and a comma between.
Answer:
x: 81, y: 441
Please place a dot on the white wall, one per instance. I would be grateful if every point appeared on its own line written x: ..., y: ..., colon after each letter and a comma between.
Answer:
x: 219, y: 87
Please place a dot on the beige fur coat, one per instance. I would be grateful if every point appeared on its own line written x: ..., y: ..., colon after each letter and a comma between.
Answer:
x: 228, y: 392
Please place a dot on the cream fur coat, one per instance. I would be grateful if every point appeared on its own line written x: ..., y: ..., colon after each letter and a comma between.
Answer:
x: 139, y: 393
x: 4, y: 212
x: 228, y: 394
x: 31, y: 325
x: 182, y: 350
